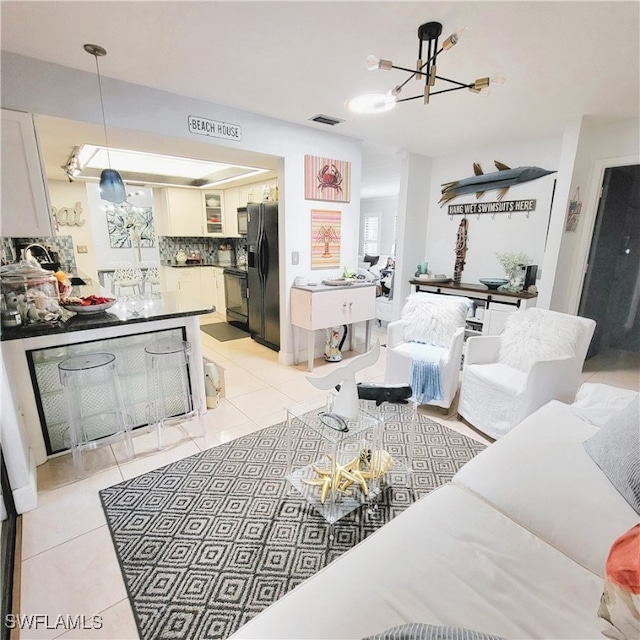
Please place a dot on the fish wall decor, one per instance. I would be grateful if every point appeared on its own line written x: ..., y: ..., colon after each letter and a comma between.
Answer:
x: 502, y: 179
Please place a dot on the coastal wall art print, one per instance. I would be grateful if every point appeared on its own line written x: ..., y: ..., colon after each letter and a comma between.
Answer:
x: 130, y: 226
x: 325, y: 239
x: 326, y: 179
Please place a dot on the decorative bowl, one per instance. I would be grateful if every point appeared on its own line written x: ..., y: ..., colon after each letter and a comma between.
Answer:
x: 90, y: 308
x: 494, y: 283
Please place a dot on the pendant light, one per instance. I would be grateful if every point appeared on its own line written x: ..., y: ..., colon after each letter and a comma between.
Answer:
x: 111, y: 185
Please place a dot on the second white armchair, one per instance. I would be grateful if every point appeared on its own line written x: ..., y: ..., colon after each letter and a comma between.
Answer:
x: 538, y: 357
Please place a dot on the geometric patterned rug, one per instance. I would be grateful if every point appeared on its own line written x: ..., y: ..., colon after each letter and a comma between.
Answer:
x: 208, y: 542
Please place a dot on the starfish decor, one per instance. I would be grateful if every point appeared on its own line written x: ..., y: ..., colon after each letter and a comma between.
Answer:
x: 339, y: 477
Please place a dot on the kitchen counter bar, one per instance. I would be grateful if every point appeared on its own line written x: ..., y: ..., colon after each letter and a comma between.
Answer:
x: 128, y: 324
x: 160, y: 307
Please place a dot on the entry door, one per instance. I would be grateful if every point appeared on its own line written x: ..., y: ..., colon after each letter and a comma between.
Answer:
x: 611, y: 291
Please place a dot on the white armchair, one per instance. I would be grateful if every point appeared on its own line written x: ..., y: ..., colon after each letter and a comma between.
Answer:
x: 537, y: 358
x: 431, y: 328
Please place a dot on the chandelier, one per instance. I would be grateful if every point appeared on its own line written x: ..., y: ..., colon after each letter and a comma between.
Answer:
x: 426, y: 69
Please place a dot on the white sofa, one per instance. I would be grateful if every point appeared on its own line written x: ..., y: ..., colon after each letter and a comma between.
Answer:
x: 514, y: 546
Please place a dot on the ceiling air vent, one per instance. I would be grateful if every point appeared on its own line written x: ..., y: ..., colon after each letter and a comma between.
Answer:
x: 322, y: 119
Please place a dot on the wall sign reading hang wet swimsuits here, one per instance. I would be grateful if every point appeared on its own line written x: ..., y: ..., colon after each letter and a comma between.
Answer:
x: 506, y: 206
x: 215, y: 128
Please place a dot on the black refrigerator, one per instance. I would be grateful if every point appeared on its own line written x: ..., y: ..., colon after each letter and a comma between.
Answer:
x: 263, y: 284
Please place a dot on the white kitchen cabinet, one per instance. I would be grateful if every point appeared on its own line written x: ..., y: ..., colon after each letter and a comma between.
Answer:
x: 185, y: 279
x: 246, y: 194
x: 218, y: 277
x: 254, y: 192
x: 231, y: 204
x: 196, y: 282
x: 178, y: 212
x: 26, y: 210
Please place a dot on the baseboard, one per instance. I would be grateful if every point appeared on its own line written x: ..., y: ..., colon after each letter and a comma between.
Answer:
x: 26, y: 497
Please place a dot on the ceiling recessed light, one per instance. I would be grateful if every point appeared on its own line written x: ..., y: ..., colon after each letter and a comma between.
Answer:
x: 371, y: 103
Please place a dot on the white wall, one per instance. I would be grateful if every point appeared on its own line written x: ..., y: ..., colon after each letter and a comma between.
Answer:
x: 42, y: 88
x: 63, y: 193
x: 599, y: 144
x: 415, y: 194
x: 488, y: 235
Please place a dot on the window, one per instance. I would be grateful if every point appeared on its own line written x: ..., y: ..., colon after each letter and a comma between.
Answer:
x: 370, y: 240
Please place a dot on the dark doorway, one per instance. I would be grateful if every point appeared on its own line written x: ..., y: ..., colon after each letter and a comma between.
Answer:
x: 611, y: 291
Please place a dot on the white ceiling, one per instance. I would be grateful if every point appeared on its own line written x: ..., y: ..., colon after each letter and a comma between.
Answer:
x: 293, y: 60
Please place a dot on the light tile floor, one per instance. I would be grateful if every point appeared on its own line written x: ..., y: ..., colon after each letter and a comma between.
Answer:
x: 68, y: 562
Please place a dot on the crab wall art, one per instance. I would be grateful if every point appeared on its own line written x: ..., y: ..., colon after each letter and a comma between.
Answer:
x: 327, y: 179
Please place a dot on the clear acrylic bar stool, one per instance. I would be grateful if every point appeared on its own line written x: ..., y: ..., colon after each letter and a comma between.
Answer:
x: 172, y: 398
x: 95, y: 406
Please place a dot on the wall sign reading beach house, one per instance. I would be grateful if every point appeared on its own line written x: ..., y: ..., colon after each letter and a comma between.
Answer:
x: 506, y: 206
x: 215, y: 128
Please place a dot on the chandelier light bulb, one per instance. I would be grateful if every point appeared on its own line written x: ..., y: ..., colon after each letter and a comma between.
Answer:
x: 498, y: 79
x: 454, y: 38
x: 371, y: 103
x: 395, y: 91
x: 485, y: 92
x: 373, y: 63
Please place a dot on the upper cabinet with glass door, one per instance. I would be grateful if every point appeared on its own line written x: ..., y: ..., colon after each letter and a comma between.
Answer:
x: 213, y: 213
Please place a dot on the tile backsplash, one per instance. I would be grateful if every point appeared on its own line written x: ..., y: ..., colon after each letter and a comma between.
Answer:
x: 62, y: 246
x: 208, y: 248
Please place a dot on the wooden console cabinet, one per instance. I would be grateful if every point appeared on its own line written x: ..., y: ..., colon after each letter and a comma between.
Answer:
x: 323, y: 306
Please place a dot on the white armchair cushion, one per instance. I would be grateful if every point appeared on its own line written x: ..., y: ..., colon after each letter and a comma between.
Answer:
x: 433, y: 318
x: 536, y: 334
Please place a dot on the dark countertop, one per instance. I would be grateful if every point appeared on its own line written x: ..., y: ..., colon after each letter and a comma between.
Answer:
x: 173, y: 263
x: 159, y: 307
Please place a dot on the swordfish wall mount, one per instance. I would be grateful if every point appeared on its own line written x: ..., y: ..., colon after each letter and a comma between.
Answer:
x: 502, y: 179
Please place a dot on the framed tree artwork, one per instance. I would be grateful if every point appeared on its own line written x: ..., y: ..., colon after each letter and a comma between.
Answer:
x: 325, y: 239
x: 327, y: 179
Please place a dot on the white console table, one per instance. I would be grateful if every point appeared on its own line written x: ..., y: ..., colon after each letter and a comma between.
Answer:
x: 324, y: 306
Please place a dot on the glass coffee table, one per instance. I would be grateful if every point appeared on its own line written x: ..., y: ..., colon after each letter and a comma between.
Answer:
x: 345, y: 464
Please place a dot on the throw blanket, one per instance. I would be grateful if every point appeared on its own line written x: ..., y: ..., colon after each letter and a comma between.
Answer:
x: 425, y: 372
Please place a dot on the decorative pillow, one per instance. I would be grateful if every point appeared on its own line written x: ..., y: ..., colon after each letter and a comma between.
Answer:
x: 533, y: 335
x: 596, y: 403
x: 616, y: 450
x: 420, y: 631
x: 372, y: 260
x: 619, y: 608
x: 432, y: 318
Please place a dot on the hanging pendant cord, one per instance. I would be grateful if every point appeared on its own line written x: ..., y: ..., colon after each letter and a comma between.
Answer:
x: 104, y: 120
